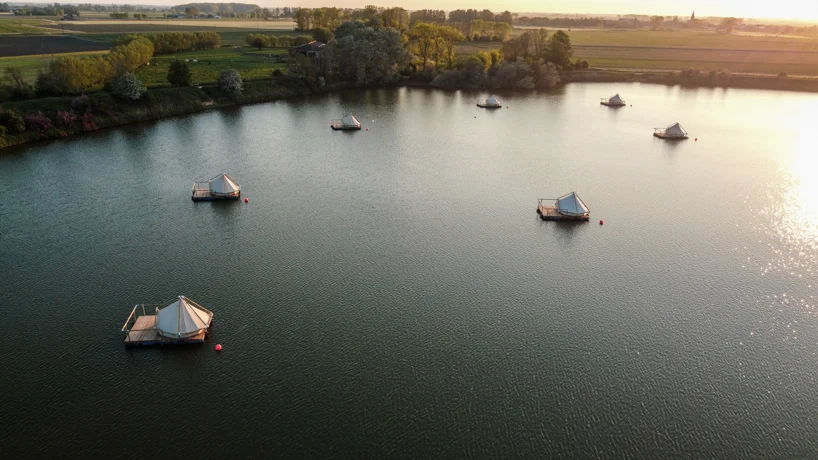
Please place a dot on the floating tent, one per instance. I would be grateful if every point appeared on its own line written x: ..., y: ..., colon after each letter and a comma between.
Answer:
x: 350, y: 121
x: 613, y: 101
x: 571, y: 205
x: 675, y: 130
x: 671, y: 132
x: 493, y: 102
x: 223, y: 186
x: 183, y: 318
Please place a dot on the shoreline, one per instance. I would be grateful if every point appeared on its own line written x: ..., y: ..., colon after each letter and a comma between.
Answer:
x: 163, y: 103
x: 671, y: 78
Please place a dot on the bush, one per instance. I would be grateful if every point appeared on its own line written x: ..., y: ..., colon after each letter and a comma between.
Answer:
x: 277, y: 73
x: 230, y: 82
x: 66, y: 119
x: 179, y: 73
x: 88, y: 123
x: 48, y: 84
x: 38, y: 122
x: 302, y: 40
x: 14, y: 122
x: 127, y: 86
x: 322, y: 34
x: 513, y: 75
x: 258, y: 40
x: 80, y: 104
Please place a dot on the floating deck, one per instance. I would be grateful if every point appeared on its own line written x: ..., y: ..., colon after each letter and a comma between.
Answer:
x: 342, y: 127
x: 551, y: 213
x: 608, y: 104
x: 667, y: 137
x: 201, y: 192
x: 143, y: 332
x: 484, y: 106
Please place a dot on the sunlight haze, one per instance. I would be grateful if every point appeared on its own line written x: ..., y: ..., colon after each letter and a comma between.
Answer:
x: 784, y: 9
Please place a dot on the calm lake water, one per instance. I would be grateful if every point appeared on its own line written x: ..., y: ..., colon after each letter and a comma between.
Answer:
x: 392, y: 292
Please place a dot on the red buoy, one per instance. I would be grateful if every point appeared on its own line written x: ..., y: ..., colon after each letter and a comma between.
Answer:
x: 246, y: 200
x: 601, y: 222
x: 367, y: 129
x: 697, y: 139
x: 218, y: 347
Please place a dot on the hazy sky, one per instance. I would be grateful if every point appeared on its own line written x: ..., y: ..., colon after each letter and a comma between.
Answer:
x: 789, y: 9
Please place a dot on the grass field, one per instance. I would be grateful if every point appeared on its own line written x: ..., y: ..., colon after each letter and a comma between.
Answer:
x: 210, y: 64
x: 15, y: 25
x: 171, y: 25
x: 30, y: 64
x: 645, y: 49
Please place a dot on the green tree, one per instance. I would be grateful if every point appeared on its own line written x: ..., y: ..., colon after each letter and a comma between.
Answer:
x: 396, y: 18
x: 191, y: 11
x: 128, y: 87
x: 230, y: 82
x: 302, y: 40
x: 449, y: 37
x: 257, y: 40
x: 539, y: 41
x: 179, y: 73
x: 656, y: 21
x: 15, y: 122
x: 730, y: 24
x: 425, y: 37
x: 322, y: 34
x: 303, y: 19
x: 560, y: 50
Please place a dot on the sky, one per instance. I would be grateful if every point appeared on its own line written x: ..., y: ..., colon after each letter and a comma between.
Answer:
x: 784, y: 9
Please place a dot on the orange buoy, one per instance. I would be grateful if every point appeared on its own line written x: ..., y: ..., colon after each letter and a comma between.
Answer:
x: 601, y: 222
x: 218, y: 347
x: 246, y: 200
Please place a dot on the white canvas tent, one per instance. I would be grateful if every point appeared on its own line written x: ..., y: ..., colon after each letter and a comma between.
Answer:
x: 350, y: 121
x: 493, y: 102
x: 675, y: 131
x: 183, y: 318
x: 571, y: 205
x: 223, y: 185
x: 616, y: 100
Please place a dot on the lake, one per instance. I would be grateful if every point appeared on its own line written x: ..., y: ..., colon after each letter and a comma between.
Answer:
x: 393, y: 293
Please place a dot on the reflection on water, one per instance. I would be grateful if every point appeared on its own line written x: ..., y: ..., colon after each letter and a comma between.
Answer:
x: 390, y: 286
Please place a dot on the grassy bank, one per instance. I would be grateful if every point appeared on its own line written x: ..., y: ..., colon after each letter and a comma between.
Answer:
x: 103, y: 110
x: 210, y: 63
x: 250, y: 63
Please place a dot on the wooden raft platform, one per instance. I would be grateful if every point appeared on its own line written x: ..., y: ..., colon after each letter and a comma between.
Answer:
x: 550, y: 213
x: 201, y: 192
x: 666, y: 137
x: 343, y: 127
x: 142, y: 332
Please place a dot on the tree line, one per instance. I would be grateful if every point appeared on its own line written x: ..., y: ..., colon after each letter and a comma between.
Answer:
x: 559, y: 22
x: 54, y: 9
x: 174, y: 42
x: 276, y: 41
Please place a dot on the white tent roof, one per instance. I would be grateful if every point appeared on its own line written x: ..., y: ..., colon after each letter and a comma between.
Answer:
x: 675, y: 130
x: 571, y: 205
x: 350, y: 120
x: 224, y: 185
x: 182, y: 318
x: 492, y: 101
x: 616, y: 100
